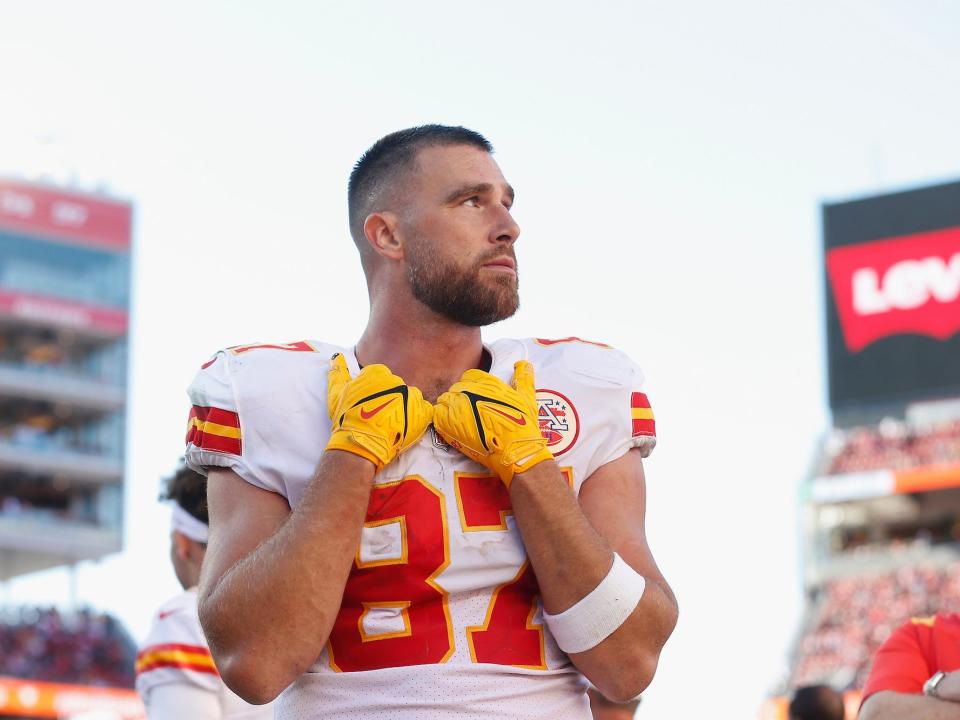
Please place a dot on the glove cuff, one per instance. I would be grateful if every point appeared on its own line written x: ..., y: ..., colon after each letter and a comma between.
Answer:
x: 525, y: 463
x: 345, y: 441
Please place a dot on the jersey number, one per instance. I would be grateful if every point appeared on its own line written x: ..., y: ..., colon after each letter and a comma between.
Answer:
x: 394, y: 613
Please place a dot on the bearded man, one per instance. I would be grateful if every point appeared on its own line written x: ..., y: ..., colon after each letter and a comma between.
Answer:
x: 427, y: 526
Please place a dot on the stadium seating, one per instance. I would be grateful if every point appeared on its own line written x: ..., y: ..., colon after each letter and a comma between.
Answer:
x: 892, y: 445
x: 84, y: 647
x: 852, y: 616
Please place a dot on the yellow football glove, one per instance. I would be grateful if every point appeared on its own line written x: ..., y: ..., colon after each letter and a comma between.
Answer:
x: 492, y: 422
x: 375, y: 415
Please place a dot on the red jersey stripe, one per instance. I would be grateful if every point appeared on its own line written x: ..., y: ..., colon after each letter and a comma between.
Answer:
x: 160, y: 663
x: 215, y: 415
x: 644, y: 427
x: 642, y: 416
x: 197, y: 649
x: 214, y: 429
x: 639, y: 400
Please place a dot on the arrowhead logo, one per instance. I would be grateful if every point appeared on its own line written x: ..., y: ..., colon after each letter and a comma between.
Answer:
x: 558, y: 420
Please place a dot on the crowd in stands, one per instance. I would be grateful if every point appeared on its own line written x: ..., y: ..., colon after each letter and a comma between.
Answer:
x: 48, y: 351
x: 19, y: 508
x: 41, y: 432
x: 34, y: 351
x: 893, y: 445
x: 42, y: 425
x: 84, y: 647
x: 854, y: 615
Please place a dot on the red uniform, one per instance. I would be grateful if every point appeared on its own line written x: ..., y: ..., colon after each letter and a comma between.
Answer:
x: 914, y: 652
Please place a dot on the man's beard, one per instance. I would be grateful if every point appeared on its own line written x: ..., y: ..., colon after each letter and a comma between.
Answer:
x: 460, y: 294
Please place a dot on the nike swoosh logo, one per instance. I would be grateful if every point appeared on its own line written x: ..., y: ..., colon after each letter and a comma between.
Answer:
x: 519, y: 421
x: 475, y: 399
x: 367, y: 415
x: 163, y: 615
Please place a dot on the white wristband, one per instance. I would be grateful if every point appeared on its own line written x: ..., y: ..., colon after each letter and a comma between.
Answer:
x: 600, y: 612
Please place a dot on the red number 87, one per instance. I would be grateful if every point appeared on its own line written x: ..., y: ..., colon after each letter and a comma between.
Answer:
x: 408, y: 584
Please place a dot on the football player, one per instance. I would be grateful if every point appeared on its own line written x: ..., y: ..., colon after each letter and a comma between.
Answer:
x: 425, y: 525
x: 176, y: 675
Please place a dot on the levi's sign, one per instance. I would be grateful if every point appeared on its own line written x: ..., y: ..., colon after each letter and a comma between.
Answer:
x: 908, y: 284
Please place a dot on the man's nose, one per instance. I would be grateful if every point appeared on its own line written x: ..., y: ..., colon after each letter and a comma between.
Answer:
x: 507, y: 230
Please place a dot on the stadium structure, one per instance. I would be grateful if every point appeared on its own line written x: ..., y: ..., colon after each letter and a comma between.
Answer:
x: 64, y: 318
x: 881, y: 506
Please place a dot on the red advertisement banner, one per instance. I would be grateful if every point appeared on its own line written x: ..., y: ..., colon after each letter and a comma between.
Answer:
x: 63, y: 313
x: 63, y: 215
x: 27, y: 698
x: 908, y: 284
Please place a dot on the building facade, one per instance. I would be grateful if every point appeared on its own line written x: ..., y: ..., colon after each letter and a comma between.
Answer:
x: 64, y: 321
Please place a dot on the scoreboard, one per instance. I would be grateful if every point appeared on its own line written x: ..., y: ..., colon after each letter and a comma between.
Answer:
x: 892, y: 267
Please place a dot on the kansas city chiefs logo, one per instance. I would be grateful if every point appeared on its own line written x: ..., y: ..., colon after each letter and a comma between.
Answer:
x: 558, y: 420
x: 438, y: 441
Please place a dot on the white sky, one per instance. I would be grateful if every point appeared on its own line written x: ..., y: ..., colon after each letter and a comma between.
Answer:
x: 669, y: 160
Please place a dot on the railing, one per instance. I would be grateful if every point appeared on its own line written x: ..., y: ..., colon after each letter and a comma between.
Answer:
x: 57, y: 458
x: 49, y: 383
x: 35, y: 534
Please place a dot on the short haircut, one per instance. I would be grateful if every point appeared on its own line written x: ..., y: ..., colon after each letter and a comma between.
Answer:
x: 816, y: 702
x: 389, y: 158
x: 187, y: 489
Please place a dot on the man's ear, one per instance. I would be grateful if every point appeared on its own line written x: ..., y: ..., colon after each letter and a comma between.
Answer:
x: 380, y: 229
x: 181, y: 545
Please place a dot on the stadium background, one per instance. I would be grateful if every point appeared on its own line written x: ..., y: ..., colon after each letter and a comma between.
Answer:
x: 881, y: 506
x: 670, y: 162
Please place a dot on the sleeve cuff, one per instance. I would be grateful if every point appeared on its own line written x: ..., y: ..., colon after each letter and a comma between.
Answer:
x: 199, y: 460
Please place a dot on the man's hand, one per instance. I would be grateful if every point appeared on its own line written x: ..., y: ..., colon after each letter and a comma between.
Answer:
x: 949, y: 688
x: 375, y: 415
x: 890, y: 705
x: 493, y: 423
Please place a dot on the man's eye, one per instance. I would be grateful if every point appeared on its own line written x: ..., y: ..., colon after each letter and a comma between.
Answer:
x: 472, y: 201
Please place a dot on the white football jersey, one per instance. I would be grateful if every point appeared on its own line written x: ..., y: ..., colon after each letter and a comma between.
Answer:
x: 441, y: 615
x: 176, y: 652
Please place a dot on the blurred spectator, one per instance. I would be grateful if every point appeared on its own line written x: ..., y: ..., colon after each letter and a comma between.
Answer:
x: 893, y: 445
x: 170, y: 687
x: 39, y: 425
x: 854, y: 615
x: 915, y: 674
x: 35, y: 349
x: 84, y: 648
x: 816, y: 702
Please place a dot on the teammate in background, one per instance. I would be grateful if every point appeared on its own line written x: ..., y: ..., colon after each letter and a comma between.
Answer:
x: 816, y: 702
x: 603, y: 709
x: 370, y: 565
x: 176, y: 676
x: 916, y: 672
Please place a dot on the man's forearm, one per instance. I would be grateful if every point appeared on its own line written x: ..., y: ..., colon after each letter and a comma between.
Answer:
x: 271, y: 613
x: 570, y: 559
x: 889, y: 705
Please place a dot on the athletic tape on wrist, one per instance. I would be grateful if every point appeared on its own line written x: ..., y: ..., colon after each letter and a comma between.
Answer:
x: 597, y: 615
